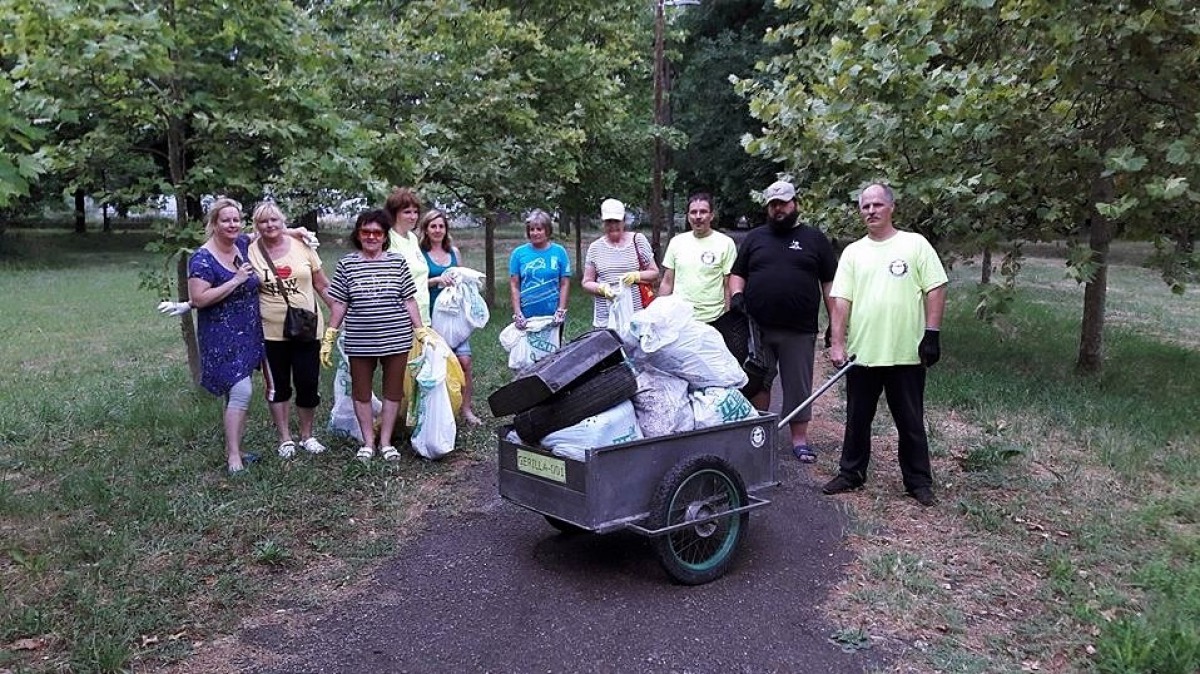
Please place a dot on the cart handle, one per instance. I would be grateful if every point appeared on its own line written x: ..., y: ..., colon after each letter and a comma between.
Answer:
x: 817, y: 394
x: 755, y: 503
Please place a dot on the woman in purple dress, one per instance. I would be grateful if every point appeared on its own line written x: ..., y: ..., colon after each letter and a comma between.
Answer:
x: 223, y: 287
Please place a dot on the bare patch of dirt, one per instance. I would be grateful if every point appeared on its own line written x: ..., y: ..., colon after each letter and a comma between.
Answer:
x: 939, y: 585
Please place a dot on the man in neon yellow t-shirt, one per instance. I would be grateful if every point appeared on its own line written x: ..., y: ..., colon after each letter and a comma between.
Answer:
x: 698, y: 263
x: 890, y: 287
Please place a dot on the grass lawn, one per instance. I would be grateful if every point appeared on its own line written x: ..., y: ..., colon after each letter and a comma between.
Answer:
x: 1066, y: 540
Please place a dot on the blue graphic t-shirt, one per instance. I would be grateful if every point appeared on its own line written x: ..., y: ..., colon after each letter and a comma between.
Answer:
x: 539, y: 272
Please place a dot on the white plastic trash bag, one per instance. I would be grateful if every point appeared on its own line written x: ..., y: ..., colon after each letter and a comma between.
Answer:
x: 662, y: 404
x: 539, y: 339
x: 659, y: 324
x: 460, y: 308
x: 342, y: 419
x: 613, y: 426
x: 697, y: 354
x: 620, y: 311
x: 435, y: 430
x: 716, y: 406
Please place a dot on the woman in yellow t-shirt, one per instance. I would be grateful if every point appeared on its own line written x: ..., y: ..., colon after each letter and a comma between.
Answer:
x: 294, y: 269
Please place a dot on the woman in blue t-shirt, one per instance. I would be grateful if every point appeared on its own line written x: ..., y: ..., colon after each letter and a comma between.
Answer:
x: 539, y: 273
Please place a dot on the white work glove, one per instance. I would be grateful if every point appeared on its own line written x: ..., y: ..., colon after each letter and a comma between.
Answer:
x: 309, y: 238
x: 174, y: 308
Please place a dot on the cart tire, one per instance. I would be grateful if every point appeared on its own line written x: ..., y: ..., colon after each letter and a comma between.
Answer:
x: 587, y: 398
x: 564, y: 527
x: 698, y: 487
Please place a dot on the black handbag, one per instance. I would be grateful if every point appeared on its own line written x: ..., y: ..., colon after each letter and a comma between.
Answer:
x: 299, y: 325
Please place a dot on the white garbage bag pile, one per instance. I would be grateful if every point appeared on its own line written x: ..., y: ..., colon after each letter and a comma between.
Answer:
x: 687, y: 380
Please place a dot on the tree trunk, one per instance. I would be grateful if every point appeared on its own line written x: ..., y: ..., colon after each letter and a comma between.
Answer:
x: 489, y: 255
x: 80, y: 215
x: 1095, y: 292
x: 175, y: 158
x: 578, y: 246
x: 985, y: 273
x: 105, y: 221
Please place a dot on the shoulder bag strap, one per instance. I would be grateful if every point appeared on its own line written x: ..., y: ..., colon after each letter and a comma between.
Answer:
x: 262, y: 248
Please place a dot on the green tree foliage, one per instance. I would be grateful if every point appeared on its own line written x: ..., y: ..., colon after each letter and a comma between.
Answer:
x: 998, y: 121
x: 21, y: 161
x: 495, y: 107
x: 721, y: 39
x: 217, y: 96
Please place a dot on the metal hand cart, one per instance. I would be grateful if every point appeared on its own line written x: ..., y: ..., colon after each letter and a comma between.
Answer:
x: 691, y: 492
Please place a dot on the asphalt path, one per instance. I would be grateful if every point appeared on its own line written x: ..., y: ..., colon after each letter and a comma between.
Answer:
x: 495, y: 589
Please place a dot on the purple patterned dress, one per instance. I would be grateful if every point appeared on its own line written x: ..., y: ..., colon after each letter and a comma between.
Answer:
x: 230, y: 331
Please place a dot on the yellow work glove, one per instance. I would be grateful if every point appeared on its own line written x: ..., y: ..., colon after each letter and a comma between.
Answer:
x: 632, y: 278
x: 604, y: 290
x: 327, y: 343
x: 422, y: 333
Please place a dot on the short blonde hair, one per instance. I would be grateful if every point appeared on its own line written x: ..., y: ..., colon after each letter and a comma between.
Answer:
x: 214, y: 212
x: 265, y: 210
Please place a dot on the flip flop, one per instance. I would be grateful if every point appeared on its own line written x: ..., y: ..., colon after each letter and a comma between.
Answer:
x: 804, y: 454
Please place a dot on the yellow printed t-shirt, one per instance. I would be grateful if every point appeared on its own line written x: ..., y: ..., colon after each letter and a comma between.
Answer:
x: 886, y: 282
x: 701, y: 266
x: 296, y: 272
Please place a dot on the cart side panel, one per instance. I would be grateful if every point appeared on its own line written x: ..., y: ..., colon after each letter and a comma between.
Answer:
x: 538, y: 480
x: 616, y: 484
x: 748, y: 446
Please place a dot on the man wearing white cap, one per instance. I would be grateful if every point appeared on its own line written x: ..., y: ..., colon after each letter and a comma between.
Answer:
x: 784, y: 272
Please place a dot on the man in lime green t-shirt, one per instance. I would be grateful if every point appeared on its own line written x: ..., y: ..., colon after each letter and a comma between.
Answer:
x: 890, y: 288
x: 698, y: 263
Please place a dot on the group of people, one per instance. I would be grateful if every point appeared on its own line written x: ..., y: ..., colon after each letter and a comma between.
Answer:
x: 885, y: 297
x: 244, y: 284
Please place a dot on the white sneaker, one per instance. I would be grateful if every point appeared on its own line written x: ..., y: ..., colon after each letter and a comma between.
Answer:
x: 287, y: 449
x: 312, y: 445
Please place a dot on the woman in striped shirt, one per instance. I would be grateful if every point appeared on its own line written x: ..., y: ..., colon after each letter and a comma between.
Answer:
x: 374, y: 294
x: 616, y: 262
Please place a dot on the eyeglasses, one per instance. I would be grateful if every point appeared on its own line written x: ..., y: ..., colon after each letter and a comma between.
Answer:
x: 370, y: 234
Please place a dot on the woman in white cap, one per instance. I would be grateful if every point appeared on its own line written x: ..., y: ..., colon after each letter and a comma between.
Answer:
x: 616, y: 262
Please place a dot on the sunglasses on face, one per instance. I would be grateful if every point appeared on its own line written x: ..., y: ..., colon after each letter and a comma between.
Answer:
x: 370, y: 234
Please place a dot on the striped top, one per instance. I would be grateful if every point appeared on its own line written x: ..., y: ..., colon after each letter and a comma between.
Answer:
x: 611, y: 263
x: 374, y: 291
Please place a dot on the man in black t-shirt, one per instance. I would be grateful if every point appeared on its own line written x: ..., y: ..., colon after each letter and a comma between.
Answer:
x: 784, y: 271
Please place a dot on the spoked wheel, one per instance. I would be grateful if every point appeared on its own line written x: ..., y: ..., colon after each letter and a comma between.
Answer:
x: 564, y: 526
x: 692, y: 490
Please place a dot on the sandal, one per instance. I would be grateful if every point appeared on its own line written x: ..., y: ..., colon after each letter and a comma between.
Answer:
x: 804, y: 454
x: 287, y: 449
x: 390, y: 453
x: 365, y: 453
x: 312, y: 445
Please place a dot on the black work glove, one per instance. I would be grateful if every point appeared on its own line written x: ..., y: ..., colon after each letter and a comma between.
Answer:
x: 930, y: 350
x: 737, y: 303
x: 828, y: 336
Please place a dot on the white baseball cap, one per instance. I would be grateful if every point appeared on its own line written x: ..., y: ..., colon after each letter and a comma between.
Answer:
x: 611, y: 209
x: 780, y: 190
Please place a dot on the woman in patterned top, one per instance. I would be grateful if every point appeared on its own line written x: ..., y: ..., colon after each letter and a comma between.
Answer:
x: 374, y: 294
x: 616, y: 262
x: 224, y: 288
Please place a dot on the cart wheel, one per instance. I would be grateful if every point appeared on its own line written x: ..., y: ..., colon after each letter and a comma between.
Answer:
x: 696, y: 488
x: 564, y: 526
